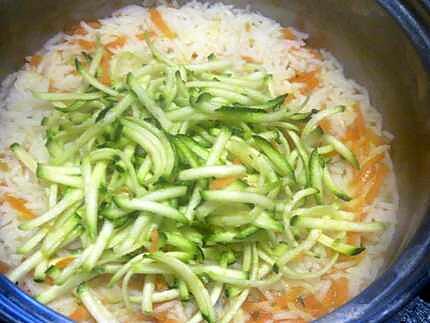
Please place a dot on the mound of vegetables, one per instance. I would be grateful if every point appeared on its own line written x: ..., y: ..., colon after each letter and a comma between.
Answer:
x: 194, y: 173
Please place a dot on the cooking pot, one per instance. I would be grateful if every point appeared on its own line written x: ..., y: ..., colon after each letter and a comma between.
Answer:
x: 384, y: 45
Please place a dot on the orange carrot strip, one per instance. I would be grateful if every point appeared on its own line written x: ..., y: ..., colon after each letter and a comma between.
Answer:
x: 287, y: 33
x: 289, y: 297
x: 79, y: 30
x: 158, y: 21
x: 248, y: 59
x: 86, y: 44
x: 80, y: 314
x: 309, y: 79
x: 117, y: 43
x: 94, y: 24
x: 76, y: 29
x: 160, y: 283
x: 105, y: 65
x: 367, y: 171
x: 356, y: 205
x: 353, y: 238
x: 380, y: 174
x: 19, y: 205
x: 315, y: 53
x: 63, y: 263
x: 325, y: 125
x: 374, y: 138
x: 48, y: 280
x: 338, y: 293
x: 35, y: 60
x: 357, y: 129
x: 220, y: 183
x: 154, y: 240
x: 162, y: 317
x: 314, y: 306
x: 260, y: 317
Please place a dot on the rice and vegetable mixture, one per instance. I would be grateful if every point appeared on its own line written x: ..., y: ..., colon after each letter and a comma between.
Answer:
x: 189, y: 164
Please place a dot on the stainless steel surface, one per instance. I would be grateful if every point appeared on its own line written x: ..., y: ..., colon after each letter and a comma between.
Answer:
x: 372, y: 48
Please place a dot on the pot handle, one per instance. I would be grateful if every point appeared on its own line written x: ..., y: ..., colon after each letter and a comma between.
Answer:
x: 16, y: 305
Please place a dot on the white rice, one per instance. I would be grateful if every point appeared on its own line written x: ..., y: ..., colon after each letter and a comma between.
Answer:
x: 201, y: 29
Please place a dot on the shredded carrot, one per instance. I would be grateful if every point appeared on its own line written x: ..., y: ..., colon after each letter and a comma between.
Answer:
x: 117, y: 43
x: 220, y: 183
x: 63, y: 263
x: 374, y: 138
x: 325, y: 125
x: 158, y: 21
x: 314, y: 306
x: 160, y: 283
x: 315, y: 53
x: 353, y: 238
x: 48, y: 280
x: 258, y: 311
x: 357, y: 129
x: 79, y: 30
x: 260, y: 317
x: 367, y: 171
x: 248, y: 59
x: 360, y: 148
x: 154, y: 240
x: 80, y: 314
x: 19, y: 205
x: 356, y: 205
x: 366, y: 184
x: 105, y: 65
x: 337, y: 294
x: 162, y: 317
x: 309, y: 79
x: 76, y: 29
x: 287, y: 33
x: 4, y: 267
x: 254, y: 306
x: 35, y: 60
x: 95, y: 24
x: 377, y: 181
x: 86, y: 44
x: 291, y: 296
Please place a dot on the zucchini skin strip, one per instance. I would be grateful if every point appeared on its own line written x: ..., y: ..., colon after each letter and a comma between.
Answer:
x: 193, y: 282
x: 149, y: 206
